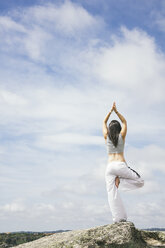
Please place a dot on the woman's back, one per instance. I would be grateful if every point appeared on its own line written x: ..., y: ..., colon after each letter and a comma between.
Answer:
x: 111, y: 148
x: 116, y: 153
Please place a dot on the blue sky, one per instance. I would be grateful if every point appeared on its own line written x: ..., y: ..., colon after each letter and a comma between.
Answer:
x: 63, y: 63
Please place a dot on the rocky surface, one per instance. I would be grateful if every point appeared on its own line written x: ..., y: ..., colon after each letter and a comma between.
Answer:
x: 122, y: 234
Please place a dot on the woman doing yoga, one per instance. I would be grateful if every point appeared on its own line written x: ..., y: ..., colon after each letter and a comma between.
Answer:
x: 118, y: 175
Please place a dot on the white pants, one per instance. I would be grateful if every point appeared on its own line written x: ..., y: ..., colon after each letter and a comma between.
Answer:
x: 129, y: 180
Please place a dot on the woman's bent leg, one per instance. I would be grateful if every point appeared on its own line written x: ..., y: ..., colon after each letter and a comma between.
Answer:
x: 114, y: 200
x: 129, y: 179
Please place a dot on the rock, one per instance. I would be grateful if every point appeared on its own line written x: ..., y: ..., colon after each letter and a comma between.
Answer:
x: 122, y: 234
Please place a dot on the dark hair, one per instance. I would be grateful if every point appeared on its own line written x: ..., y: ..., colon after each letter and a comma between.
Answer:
x: 114, y: 130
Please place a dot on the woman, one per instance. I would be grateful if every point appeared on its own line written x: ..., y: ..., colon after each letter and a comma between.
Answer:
x: 117, y: 171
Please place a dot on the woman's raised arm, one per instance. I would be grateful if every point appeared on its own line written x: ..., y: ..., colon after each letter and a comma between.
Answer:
x: 123, y: 120
x: 105, y: 129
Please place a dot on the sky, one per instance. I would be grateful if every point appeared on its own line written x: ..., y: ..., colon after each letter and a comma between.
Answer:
x: 63, y: 64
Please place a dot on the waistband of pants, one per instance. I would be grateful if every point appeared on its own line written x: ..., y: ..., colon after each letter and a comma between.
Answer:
x: 116, y: 162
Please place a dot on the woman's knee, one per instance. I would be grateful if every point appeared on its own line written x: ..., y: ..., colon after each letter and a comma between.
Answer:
x: 141, y: 182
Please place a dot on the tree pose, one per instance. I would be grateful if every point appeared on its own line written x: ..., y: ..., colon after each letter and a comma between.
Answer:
x: 117, y: 171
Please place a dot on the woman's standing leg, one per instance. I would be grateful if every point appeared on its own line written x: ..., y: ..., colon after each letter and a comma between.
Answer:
x: 115, y: 202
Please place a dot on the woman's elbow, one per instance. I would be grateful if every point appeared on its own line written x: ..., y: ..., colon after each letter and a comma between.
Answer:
x: 125, y: 122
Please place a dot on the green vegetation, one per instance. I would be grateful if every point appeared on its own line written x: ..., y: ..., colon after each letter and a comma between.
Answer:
x: 13, y: 239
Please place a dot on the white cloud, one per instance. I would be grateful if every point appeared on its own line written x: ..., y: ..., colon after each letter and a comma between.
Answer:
x: 12, y: 99
x: 134, y: 64
x: 145, y: 212
x: 59, y: 141
x: 35, y: 42
x: 147, y: 159
x: 7, y: 24
x: 15, y: 207
x: 67, y: 18
x: 34, y: 210
x: 37, y: 29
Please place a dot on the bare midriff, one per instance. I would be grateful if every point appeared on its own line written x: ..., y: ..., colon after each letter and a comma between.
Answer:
x: 116, y: 157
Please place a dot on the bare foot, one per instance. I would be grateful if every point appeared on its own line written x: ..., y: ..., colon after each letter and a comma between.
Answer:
x: 117, y: 181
